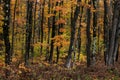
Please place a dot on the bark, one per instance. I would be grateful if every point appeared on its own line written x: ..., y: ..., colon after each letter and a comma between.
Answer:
x: 58, y: 54
x: 1, y: 44
x: 60, y: 26
x: 88, y: 43
x: 39, y: 22
x: 73, y: 28
x: 28, y: 31
x: 117, y: 55
x: 42, y: 22
x: 98, y: 33
x: 79, y: 33
x: 115, y: 23
x: 106, y: 31
x: 33, y: 34
x: 94, y: 33
x: 53, y: 35
x: 13, y: 26
x: 48, y: 39
x: 58, y: 48
x: 116, y: 48
x: 6, y: 26
x: 99, y: 40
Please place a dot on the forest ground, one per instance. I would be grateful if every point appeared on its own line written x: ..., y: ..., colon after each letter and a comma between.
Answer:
x: 42, y: 70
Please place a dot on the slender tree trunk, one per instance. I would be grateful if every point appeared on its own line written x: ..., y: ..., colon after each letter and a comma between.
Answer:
x: 98, y: 40
x: 1, y: 44
x: 42, y: 22
x: 13, y: 26
x: 116, y: 48
x: 94, y: 33
x: 98, y: 33
x: 73, y: 28
x: 58, y: 48
x: 6, y: 26
x: 48, y: 39
x: 59, y: 33
x: 28, y: 31
x: 33, y: 35
x: 1, y: 37
x: 106, y: 31
x: 39, y: 22
x: 117, y: 55
x: 79, y: 33
x: 88, y: 43
x: 115, y: 23
x: 53, y: 35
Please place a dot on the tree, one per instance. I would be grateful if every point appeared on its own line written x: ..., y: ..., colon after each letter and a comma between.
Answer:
x: 73, y: 28
x: 53, y: 34
x: 106, y: 31
x: 6, y: 26
x: 88, y: 43
x: 94, y: 31
x: 1, y: 43
x: 28, y: 31
x: 48, y: 39
x: 13, y: 26
x: 42, y: 21
x: 33, y: 30
x: 114, y: 36
x: 60, y: 26
x: 39, y: 22
x: 79, y: 31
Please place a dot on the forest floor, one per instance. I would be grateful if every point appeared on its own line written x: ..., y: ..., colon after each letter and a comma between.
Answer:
x: 42, y: 70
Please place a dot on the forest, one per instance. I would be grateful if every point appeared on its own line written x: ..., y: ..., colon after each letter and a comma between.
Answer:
x: 59, y: 39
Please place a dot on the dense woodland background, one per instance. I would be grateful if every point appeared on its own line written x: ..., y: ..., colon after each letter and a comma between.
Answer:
x: 59, y: 39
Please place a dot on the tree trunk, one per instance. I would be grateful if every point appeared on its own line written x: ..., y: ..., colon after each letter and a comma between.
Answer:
x: 88, y: 43
x: 115, y: 23
x: 94, y: 45
x: 116, y: 50
x: 42, y: 22
x: 106, y: 31
x: 48, y: 39
x: 79, y: 33
x: 53, y: 35
x: 6, y: 26
x: 73, y: 28
x: 60, y: 26
x: 33, y: 34
x: 39, y: 22
x: 28, y: 31
x: 13, y: 26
